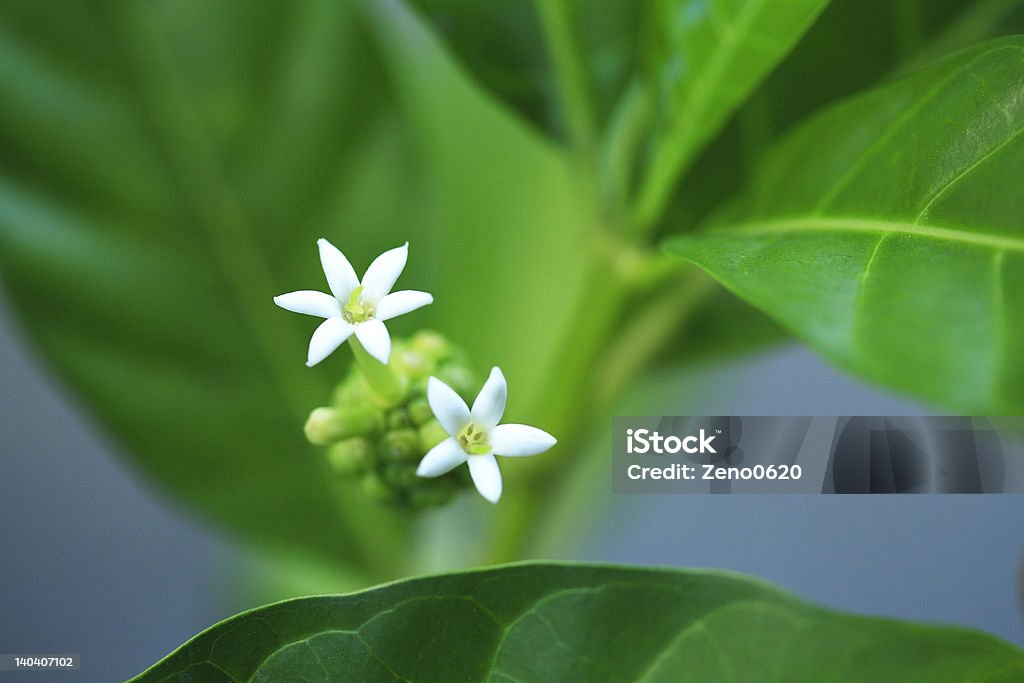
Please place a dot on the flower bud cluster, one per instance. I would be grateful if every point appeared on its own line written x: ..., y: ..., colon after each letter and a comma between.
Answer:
x: 380, y: 441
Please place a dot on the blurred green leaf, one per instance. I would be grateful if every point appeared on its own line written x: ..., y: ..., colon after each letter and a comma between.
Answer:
x: 503, y: 45
x: 167, y: 168
x: 884, y: 232
x: 152, y: 157
x: 703, y: 59
x: 542, y: 622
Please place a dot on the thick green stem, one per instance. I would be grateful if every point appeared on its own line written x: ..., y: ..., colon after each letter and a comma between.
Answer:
x: 562, y: 406
x: 593, y: 374
x: 384, y: 381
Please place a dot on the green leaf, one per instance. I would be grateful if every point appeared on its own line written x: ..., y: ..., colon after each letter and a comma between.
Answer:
x: 703, y: 60
x: 854, y: 45
x: 505, y: 47
x: 543, y: 622
x: 887, y: 232
x: 167, y: 169
x: 148, y: 172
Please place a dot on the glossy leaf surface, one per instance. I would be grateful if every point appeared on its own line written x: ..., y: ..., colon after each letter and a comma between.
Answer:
x: 888, y: 232
x: 540, y: 623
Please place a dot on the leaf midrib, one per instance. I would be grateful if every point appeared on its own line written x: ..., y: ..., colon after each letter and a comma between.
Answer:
x: 872, y: 226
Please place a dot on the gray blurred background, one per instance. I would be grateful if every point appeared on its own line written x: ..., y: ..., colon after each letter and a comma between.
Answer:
x: 96, y: 562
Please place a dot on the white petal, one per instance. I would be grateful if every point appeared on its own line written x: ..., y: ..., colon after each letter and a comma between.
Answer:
x: 380, y: 277
x: 489, y: 405
x: 309, y: 303
x: 448, y: 407
x: 326, y: 338
x: 400, y: 303
x: 442, y: 458
x: 520, y: 440
x: 375, y: 339
x: 340, y: 275
x: 486, y: 476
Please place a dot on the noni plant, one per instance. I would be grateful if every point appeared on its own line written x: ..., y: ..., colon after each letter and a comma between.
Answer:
x: 598, y: 198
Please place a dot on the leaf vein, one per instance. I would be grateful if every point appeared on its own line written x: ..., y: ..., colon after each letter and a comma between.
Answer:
x: 890, y: 132
x: 960, y: 175
x: 871, y: 225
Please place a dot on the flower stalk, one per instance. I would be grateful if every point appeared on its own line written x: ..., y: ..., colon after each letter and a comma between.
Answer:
x: 386, y: 384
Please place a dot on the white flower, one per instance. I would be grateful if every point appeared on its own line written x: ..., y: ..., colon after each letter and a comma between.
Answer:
x: 475, y: 435
x: 355, y: 306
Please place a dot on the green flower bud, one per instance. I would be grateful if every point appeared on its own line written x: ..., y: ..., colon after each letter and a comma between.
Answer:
x: 458, y: 377
x: 398, y: 419
x: 432, y: 345
x: 381, y: 439
x: 432, y: 434
x: 420, y: 412
x: 328, y: 425
x: 412, y: 364
x: 401, y: 445
x: 401, y: 476
x: 351, y: 457
x: 353, y: 390
x: 376, y: 488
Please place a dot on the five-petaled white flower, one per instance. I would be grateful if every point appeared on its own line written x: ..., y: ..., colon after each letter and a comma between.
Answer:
x: 359, y: 307
x: 475, y: 435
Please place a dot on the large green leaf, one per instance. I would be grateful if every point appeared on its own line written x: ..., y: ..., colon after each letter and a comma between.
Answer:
x: 853, y: 45
x: 542, y: 622
x: 166, y: 170
x: 149, y: 165
x: 888, y: 232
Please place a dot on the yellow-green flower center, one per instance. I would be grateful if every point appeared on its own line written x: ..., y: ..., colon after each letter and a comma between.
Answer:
x: 473, y: 440
x: 357, y: 310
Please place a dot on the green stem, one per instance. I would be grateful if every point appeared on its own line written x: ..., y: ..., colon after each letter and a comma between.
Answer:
x: 574, y: 92
x: 384, y: 381
x: 618, y: 153
x: 564, y: 403
x: 556, y: 502
x: 646, y: 333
